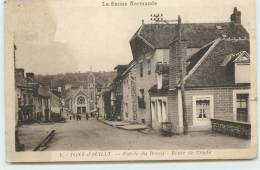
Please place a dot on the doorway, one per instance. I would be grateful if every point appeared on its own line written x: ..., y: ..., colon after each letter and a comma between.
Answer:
x: 78, y: 110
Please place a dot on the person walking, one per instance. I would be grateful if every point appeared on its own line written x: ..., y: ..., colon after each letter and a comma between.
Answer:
x: 86, y: 116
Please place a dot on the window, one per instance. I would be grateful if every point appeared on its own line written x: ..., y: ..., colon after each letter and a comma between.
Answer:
x: 159, y: 109
x: 142, y: 93
x: 242, y: 107
x: 153, y: 110
x: 149, y: 66
x: 202, y: 109
x: 141, y: 102
x: 141, y: 69
x: 81, y: 100
x: 126, y: 109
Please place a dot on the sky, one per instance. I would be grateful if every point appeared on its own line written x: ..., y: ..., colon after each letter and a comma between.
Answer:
x: 59, y: 36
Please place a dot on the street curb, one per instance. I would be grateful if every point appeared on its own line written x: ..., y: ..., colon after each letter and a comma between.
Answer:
x: 44, y: 143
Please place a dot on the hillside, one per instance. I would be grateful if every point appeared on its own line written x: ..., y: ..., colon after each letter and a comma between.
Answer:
x: 59, y: 80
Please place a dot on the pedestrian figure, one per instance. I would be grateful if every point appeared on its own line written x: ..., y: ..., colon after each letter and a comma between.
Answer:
x: 70, y: 117
x: 74, y: 117
x: 86, y: 116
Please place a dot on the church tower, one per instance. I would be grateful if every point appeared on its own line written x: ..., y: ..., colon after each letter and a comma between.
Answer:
x: 92, y: 91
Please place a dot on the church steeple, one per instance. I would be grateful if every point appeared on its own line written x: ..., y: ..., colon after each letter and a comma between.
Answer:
x: 92, y: 89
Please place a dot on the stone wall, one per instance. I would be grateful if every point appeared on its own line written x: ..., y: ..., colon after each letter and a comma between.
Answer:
x: 238, y: 129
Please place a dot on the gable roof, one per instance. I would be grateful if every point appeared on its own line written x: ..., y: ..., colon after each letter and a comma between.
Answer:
x: 242, y: 57
x: 196, y: 34
x: 210, y: 71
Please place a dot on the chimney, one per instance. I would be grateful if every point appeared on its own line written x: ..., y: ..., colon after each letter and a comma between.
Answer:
x: 177, y: 57
x: 19, y: 72
x: 235, y: 17
x: 30, y: 76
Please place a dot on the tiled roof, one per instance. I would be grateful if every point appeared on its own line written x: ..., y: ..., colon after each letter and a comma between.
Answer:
x: 196, y: 34
x: 211, y: 71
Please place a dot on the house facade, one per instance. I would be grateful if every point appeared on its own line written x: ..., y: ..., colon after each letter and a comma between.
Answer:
x: 130, y: 103
x: 33, y: 100
x: 216, y: 89
x: 116, y: 94
x: 150, y: 45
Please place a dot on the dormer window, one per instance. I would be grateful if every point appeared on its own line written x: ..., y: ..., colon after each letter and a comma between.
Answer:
x: 242, y: 67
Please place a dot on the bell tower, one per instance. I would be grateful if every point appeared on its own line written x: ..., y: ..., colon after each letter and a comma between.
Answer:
x: 92, y: 91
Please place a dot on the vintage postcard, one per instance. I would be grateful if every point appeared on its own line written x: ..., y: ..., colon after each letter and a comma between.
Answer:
x: 130, y: 80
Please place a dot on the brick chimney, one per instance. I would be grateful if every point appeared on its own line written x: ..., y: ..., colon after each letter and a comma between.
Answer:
x: 177, y: 57
x: 19, y: 72
x: 30, y: 76
x: 235, y: 17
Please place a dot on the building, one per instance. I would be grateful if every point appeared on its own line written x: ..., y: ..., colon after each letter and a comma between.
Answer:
x: 129, y: 100
x: 104, y: 101
x: 33, y: 100
x: 150, y: 45
x: 25, y: 88
x: 116, y: 94
x: 217, y: 89
x: 42, y: 104
x: 80, y: 98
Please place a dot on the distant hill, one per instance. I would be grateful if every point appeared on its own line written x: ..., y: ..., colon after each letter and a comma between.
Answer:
x: 59, y: 80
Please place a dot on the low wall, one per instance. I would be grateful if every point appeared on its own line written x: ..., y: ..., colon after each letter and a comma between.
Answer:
x: 232, y: 128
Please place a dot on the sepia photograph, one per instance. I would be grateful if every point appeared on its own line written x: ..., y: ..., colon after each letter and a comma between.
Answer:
x: 130, y: 80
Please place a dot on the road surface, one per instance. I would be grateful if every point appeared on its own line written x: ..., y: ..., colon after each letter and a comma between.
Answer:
x: 95, y: 135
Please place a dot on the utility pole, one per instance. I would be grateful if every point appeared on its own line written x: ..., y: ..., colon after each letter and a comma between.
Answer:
x: 184, y: 111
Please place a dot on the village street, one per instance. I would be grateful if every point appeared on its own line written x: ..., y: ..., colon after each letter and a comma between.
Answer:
x: 93, y: 134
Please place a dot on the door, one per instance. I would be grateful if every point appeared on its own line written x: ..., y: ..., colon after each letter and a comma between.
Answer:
x: 203, y: 111
x: 78, y: 110
x: 83, y: 109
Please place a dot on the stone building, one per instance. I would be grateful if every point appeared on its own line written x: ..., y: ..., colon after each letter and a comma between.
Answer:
x: 80, y: 97
x: 129, y: 103
x: 150, y: 45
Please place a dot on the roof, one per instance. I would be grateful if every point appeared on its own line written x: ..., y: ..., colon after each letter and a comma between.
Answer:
x: 159, y: 36
x: 209, y: 70
x: 72, y: 93
x: 55, y: 100
x: 44, y: 92
x: 242, y: 57
x: 197, y: 34
x: 212, y: 65
x: 24, y: 82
